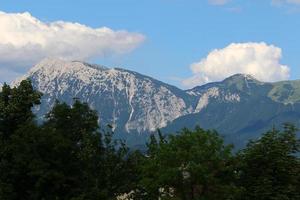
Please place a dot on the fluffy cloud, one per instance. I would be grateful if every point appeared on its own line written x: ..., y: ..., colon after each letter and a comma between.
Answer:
x: 218, y: 2
x: 24, y: 40
x: 257, y: 59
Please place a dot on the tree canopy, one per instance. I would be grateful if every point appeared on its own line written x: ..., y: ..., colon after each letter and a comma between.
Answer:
x: 68, y: 156
x: 269, y: 167
x: 191, y: 165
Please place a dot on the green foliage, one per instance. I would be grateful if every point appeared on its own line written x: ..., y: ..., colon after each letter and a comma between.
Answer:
x: 15, y: 113
x: 68, y: 157
x: 64, y: 158
x: 269, y: 168
x: 15, y: 106
x: 193, y: 165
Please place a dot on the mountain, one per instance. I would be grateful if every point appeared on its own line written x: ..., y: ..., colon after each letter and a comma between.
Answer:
x: 240, y: 107
x: 130, y: 102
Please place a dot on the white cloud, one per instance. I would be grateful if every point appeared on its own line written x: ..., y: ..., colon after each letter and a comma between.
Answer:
x: 24, y: 40
x: 218, y: 2
x: 257, y: 59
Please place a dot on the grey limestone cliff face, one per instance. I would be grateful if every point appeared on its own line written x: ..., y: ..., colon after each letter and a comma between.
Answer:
x: 240, y: 107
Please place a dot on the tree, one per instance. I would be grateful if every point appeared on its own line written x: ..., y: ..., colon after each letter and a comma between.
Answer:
x: 15, y: 107
x: 15, y: 111
x: 66, y: 157
x: 120, y: 166
x: 192, y: 165
x: 269, y: 168
x: 78, y: 130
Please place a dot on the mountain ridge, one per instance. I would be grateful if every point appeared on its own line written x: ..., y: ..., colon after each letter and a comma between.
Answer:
x: 137, y: 105
x: 63, y: 80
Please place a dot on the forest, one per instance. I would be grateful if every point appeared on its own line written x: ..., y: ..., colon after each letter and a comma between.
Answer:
x: 69, y: 157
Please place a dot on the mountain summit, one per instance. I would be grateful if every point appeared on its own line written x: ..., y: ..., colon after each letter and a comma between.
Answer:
x: 240, y: 107
x: 131, y: 102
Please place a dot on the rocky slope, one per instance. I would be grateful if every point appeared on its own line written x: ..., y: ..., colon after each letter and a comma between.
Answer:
x: 131, y: 102
x: 240, y: 107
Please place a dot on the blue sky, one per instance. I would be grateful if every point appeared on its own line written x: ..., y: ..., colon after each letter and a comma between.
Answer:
x: 177, y: 33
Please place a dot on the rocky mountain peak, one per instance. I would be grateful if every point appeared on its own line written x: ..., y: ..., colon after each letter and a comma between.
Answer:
x: 134, y: 103
x: 237, y: 78
x: 126, y: 99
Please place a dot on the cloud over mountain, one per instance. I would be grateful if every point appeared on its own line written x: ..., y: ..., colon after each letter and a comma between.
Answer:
x: 24, y: 40
x: 258, y: 59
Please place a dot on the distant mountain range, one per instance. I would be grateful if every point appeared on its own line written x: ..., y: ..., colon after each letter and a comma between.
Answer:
x: 240, y: 107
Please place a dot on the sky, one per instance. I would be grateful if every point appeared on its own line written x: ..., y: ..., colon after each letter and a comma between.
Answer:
x: 182, y: 42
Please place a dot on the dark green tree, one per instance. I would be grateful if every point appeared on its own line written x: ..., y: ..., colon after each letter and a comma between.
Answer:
x: 108, y: 168
x: 15, y: 113
x: 120, y: 166
x: 77, y: 128
x: 66, y: 157
x: 269, y: 168
x: 15, y: 107
x: 192, y: 165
